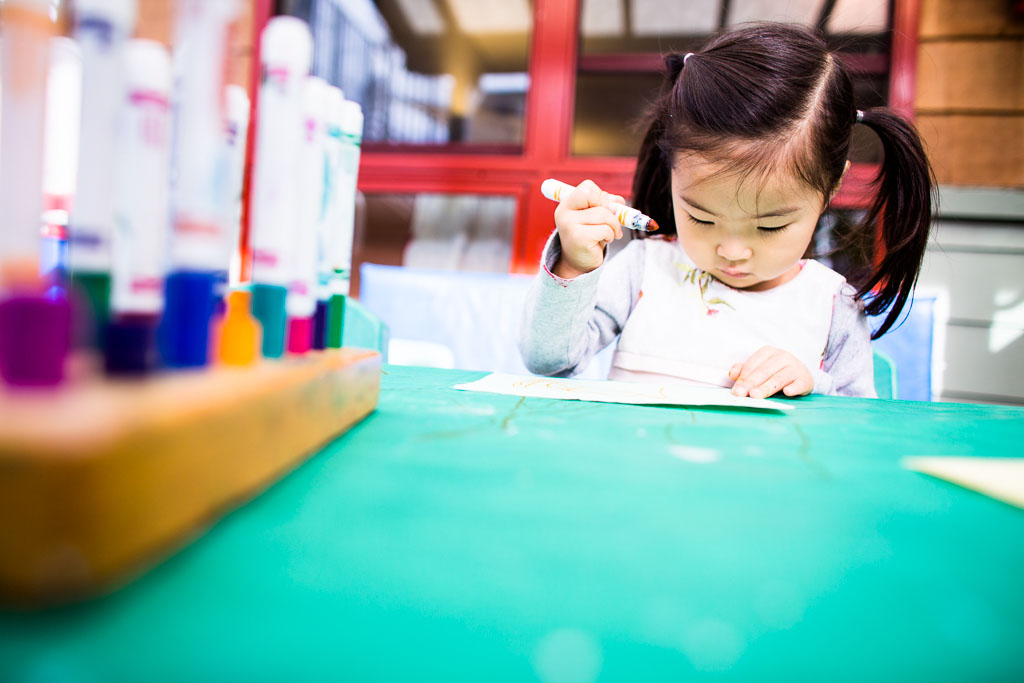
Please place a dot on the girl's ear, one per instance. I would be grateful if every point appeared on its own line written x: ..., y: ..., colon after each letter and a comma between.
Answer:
x: 840, y: 183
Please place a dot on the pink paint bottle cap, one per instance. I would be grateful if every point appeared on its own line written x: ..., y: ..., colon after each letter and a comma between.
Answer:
x: 300, y: 335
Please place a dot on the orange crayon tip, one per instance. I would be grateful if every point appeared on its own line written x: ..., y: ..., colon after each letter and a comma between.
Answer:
x: 653, y: 225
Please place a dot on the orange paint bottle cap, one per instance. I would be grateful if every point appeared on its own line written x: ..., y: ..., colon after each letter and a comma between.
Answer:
x: 240, y: 333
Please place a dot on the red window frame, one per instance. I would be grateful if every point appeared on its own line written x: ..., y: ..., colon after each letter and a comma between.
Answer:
x: 548, y: 129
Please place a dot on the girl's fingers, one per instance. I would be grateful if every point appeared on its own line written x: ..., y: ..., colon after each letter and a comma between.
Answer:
x: 754, y: 370
x: 773, y: 383
x: 598, y: 215
x: 603, y: 234
x: 769, y: 371
x: 734, y: 371
x: 591, y: 233
x: 613, y: 198
x: 587, y: 194
x: 799, y: 387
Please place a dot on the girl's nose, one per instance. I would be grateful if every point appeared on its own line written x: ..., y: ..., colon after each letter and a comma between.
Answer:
x: 734, y: 250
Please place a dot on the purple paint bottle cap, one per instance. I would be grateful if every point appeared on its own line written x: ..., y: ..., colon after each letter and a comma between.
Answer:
x: 35, y: 337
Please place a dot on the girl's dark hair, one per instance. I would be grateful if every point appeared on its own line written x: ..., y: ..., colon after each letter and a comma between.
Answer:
x: 772, y: 98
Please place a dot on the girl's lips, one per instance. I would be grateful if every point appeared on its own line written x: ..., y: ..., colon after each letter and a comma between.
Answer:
x: 733, y: 272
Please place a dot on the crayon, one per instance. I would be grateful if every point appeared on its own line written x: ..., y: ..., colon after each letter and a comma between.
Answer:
x: 628, y: 217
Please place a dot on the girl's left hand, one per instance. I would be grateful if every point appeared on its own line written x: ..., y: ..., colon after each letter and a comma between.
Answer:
x: 768, y: 371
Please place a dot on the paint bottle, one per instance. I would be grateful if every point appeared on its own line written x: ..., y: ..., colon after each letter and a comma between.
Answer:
x: 141, y: 210
x: 101, y: 28
x: 199, y: 244
x: 327, y: 234
x: 35, y: 325
x: 348, y: 175
x: 301, y: 302
x: 60, y: 161
x: 236, y: 129
x: 286, y: 51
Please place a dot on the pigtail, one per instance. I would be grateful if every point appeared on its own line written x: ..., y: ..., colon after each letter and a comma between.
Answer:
x: 903, y: 206
x: 652, y: 180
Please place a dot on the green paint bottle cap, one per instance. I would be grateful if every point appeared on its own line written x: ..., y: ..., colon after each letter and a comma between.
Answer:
x: 268, y: 308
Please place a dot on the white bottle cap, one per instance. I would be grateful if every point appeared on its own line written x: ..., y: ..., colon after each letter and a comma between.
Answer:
x: 314, y: 98
x: 287, y: 43
x: 147, y: 66
x: 334, y: 104
x: 351, y: 118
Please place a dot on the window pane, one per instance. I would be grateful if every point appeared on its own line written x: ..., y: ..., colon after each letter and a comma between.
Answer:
x: 427, y: 72
x: 435, y: 231
x: 622, y: 43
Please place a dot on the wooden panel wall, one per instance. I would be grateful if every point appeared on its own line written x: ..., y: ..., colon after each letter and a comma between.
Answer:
x: 970, y: 91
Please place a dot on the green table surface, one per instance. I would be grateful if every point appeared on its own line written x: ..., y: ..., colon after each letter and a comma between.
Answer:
x: 467, y: 536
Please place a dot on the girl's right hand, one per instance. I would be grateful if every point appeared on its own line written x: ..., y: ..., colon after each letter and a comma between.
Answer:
x: 585, y: 227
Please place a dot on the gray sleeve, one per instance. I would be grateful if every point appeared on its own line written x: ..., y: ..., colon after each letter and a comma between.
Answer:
x: 566, y: 322
x: 848, y: 368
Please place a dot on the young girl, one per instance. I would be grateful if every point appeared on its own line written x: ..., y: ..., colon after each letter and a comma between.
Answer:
x: 747, y: 145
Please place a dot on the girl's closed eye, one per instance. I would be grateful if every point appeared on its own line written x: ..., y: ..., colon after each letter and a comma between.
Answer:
x: 764, y: 229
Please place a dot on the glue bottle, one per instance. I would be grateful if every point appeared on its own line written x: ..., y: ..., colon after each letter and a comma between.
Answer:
x: 199, y: 243
x: 348, y: 175
x: 141, y: 209
x: 101, y: 28
x: 286, y: 52
x: 35, y: 325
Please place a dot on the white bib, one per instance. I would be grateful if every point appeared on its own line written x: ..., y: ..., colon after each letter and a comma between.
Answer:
x: 689, y: 327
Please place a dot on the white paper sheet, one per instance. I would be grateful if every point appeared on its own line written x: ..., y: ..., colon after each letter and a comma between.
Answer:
x: 1000, y: 478
x: 609, y: 391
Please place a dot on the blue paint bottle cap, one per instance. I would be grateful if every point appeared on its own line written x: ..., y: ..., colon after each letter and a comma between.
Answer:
x: 184, y: 335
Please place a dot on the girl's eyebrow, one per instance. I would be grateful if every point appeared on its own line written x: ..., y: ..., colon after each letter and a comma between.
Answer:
x: 785, y: 211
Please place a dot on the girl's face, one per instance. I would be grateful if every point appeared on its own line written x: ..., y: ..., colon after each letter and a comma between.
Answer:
x: 747, y: 235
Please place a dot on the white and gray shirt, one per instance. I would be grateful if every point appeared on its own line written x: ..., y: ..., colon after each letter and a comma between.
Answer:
x: 690, y: 327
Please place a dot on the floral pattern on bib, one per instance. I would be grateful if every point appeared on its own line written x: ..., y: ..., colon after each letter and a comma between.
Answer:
x: 702, y: 280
